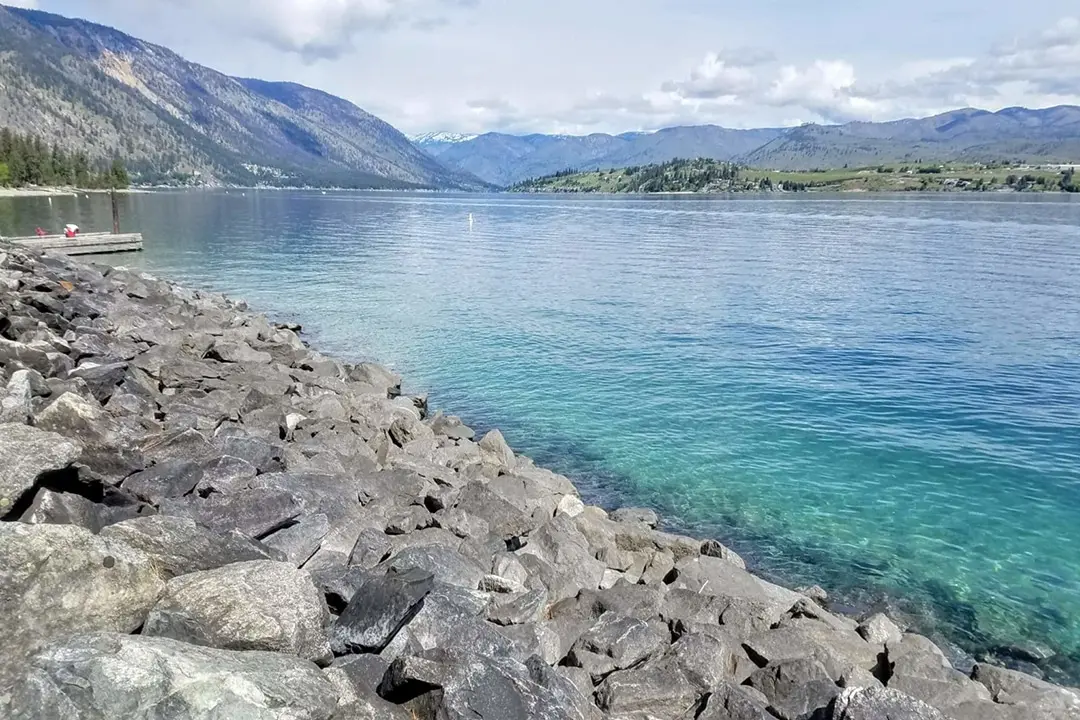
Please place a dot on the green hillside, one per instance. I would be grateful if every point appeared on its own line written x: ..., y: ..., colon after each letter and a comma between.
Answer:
x: 710, y: 176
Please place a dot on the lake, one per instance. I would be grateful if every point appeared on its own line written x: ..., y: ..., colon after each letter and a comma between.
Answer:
x: 877, y: 394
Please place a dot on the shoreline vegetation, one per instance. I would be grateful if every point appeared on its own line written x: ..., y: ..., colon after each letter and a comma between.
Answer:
x: 262, y: 528
x: 29, y: 164
x: 707, y: 176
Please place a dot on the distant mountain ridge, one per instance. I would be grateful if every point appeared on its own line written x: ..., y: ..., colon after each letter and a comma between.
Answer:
x: 1012, y: 134
x: 96, y: 89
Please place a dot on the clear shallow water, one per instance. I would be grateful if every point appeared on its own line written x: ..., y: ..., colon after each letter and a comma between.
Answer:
x: 877, y: 394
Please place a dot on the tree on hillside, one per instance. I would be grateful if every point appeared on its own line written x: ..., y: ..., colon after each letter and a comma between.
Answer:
x: 118, y: 175
x: 29, y: 160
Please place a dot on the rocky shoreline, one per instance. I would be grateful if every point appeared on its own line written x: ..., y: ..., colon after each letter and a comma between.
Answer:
x: 202, y: 517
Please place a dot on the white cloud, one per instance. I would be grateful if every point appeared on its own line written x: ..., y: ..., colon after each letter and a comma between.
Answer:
x: 316, y: 29
x: 618, y: 65
x: 32, y: 4
x: 717, y: 76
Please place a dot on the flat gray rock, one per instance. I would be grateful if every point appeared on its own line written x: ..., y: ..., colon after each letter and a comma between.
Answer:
x: 734, y: 702
x: 796, y: 689
x: 167, y: 479
x: 259, y: 605
x: 61, y: 580
x: 238, y: 351
x: 257, y: 512
x: 101, y: 379
x: 1028, y: 694
x: 879, y: 629
x: 16, y: 401
x: 655, y: 689
x: 299, y: 542
x: 453, y: 617
x: 104, y: 447
x: 226, y: 474
x: 27, y: 452
x: 370, y: 549
x: 379, y: 608
x: 640, y: 516
x: 879, y: 703
x: 563, y: 547
x: 447, y: 565
x: 146, y: 678
x: 179, y: 545
x: 457, y: 685
x: 616, y: 642
x: 519, y: 609
x: 53, y: 508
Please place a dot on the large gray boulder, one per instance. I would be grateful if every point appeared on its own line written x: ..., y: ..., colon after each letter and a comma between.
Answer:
x: 261, y: 605
x: 179, y: 545
x: 106, y: 676
x: 104, y: 447
x: 616, y: 642
x: 457, y: 685
x: 16, y: 401
x: 795, y: 688
x: 496, y: 452
x: 565, y: 550
x: 639, y: 516
x: 59, y: 580
x: 257, y: 512
x: 1028, y: 694
x: 655, y: 689
x: 734, y: 702
x: 55, y: 508
x: 447, y: 565
x: 238, y: 351
x: 754, y: 603
x: 102, y: 379
x: 355, y: 679
x: 26, y: 453
x: 378, y: 609
x: 167, y: 479
x: 451, y: 617
x: 837, y: 648
x: 919, y: 668
x: 881, y: 704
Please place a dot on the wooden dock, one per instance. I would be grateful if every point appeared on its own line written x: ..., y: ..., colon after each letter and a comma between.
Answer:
x: 83, y: 244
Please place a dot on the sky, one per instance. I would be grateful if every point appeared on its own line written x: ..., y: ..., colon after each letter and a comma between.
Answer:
x: 583, y: 66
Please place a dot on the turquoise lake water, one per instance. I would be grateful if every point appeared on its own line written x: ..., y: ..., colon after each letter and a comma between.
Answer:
x: 878, y: 394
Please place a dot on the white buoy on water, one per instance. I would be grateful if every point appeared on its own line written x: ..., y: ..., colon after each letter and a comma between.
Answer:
x: 470, y: 221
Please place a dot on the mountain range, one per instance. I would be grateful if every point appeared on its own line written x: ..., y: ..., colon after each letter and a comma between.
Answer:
x: 92, y: 88
x: 968, y: 135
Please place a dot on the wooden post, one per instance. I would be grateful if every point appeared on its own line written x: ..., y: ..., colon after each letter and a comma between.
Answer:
x: 115, y: 214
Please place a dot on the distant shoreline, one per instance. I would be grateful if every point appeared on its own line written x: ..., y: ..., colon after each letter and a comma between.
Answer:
x: 58, y: 191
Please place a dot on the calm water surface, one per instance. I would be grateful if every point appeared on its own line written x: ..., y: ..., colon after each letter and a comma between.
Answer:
x: 877, y: 394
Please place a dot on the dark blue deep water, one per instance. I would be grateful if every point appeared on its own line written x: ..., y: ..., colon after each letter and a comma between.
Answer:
x: 879, y: 394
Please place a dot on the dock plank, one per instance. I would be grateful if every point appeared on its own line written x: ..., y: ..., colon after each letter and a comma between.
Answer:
x: 84, y: 244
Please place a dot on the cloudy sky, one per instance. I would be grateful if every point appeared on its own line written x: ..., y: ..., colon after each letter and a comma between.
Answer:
x: 580, y: 66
